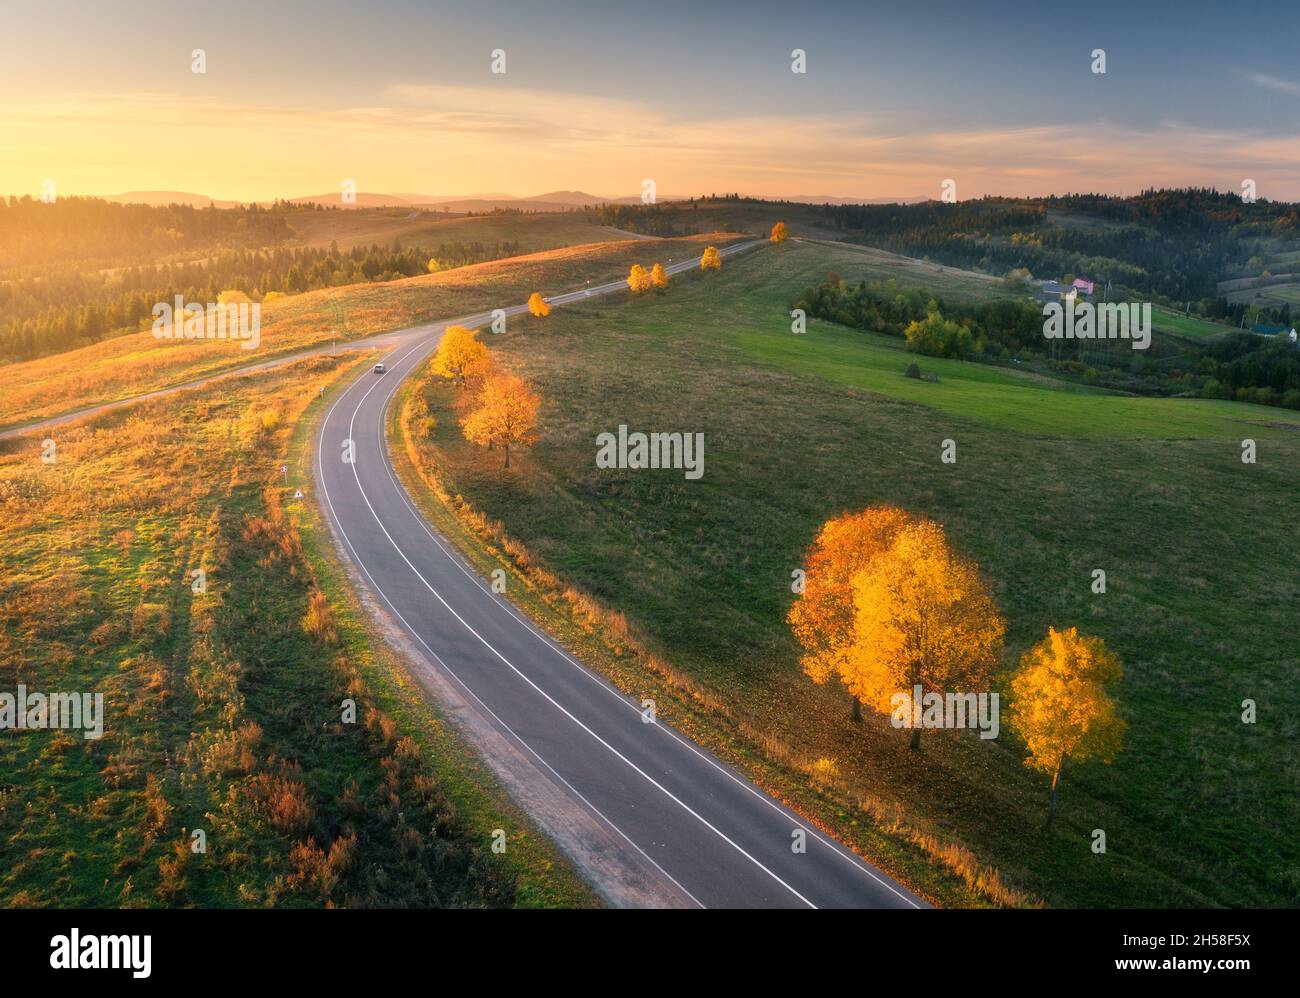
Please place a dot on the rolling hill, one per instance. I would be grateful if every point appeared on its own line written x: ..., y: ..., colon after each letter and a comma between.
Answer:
x: 169, y: 197
x: 1052, y: 481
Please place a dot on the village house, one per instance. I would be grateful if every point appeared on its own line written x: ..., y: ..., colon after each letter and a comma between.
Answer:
x: 1052, y: 291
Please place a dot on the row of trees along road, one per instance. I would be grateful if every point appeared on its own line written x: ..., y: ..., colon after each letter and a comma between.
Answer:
x: 497, y: 408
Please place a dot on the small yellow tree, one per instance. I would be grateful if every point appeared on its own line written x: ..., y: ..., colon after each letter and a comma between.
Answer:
x: 434, y: 266
x: 711, y: 260
x: 505, y: 413
x: 460, y: 355
x: 538, y: 306
x: 1060, y: 705
x: 780, y: 233
x: 638, y: 279
x: 658, y: 277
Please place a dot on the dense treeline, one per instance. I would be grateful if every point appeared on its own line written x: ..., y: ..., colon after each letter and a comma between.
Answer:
x: 1245, y: 367
x: 671, y: 218
x: 69, y: 306
x: 90, y: 232
x: 1251, y: 368
x: 1172, y: 243
x: 1004, y: 326
x: 1240, y: 313
x: 650, y: 219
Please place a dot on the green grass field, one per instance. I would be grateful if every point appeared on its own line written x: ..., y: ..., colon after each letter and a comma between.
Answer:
x: 1189, y: 326
x: 1281, y: 294
x: 1271, y: 295
x: 1051, y: 482
x: 996, y: 397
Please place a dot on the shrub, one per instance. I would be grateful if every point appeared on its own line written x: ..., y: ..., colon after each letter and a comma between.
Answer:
x: 318, y: 621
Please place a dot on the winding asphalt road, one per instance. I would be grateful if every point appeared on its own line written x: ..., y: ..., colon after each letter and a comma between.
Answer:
x: 710, y: 836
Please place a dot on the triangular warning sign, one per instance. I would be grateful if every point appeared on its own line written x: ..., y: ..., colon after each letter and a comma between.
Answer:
x: 297, y: 493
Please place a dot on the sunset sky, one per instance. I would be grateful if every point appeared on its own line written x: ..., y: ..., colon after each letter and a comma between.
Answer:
x: 698, y: 96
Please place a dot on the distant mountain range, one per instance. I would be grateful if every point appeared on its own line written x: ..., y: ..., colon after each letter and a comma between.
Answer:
x: 169, y: 197
x: 551, y: 201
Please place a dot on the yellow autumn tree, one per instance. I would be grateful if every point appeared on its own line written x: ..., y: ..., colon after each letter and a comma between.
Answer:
x: 460, y: 355
x: 896, y: 608
x: 711, y: 260
x: 1060, y: 705
x: 638, y: 279
x: 922, y: 616
x: 658, y: 277
x: 538, y: 306
x: 504, y: 413
x: 780, y: 233
x: 822, y: 616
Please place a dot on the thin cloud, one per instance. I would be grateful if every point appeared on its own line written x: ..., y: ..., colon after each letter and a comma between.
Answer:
x: 1267, y: 82
x: 437, y: 139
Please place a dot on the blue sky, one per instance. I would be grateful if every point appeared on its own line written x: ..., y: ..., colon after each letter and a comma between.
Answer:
x: 897, y: 97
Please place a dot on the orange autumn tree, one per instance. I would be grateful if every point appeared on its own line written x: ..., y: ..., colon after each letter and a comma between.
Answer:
x: 1060, y: 705
x: 903, y: 610
x: 460, y: 355
x: 638, y: 279
x: 822, y: 616
x: 505, y: 413
x: 711, y: 260
x: 658, y: 277
x: 538, y: 306
x: 780, y: 233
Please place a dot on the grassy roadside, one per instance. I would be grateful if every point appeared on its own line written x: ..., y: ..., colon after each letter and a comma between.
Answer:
x: 226, y: 707
x: 543, y: 877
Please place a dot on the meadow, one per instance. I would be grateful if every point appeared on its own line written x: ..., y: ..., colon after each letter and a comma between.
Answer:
x: 130, y: 365
x: 1270, y: 295
x: 226, y: 707
x: 533, y: 232
x: 681, y: 588
x: 1189, y: 326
